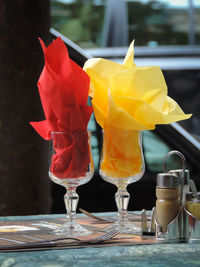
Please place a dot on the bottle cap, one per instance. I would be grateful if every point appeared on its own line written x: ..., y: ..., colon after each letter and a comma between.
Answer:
x: 167, y: 180
x: 179, y: 174
x: 192, y: 197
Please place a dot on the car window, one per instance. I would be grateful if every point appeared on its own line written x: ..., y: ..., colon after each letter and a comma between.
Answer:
x: 155, y: 150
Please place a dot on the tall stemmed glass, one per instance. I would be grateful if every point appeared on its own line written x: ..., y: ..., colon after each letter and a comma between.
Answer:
x: 122, y: 163
x: 71, y: 165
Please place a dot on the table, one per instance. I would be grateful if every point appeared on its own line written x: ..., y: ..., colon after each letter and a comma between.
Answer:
x: 134, y: 255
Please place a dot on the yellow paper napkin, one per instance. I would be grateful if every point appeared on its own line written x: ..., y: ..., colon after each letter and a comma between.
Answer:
x: 122, y: 155
x: 130, y: 97
x: 127, y: 97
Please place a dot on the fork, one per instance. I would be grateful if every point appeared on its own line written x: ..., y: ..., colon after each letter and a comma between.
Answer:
x: 104, y: 237
x: 55, y: 242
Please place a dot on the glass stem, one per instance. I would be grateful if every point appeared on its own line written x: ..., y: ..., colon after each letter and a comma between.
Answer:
x: 122, y: 199
x: 71, y: 199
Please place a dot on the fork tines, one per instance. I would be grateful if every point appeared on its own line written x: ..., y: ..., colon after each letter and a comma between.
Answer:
x: 108, y: 235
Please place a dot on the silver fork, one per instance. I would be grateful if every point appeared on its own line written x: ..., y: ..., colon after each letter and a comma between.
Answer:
x: 104, y: 237
x: 59, y: 242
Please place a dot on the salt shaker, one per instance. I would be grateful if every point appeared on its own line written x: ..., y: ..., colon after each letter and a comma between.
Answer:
x: 185, y: 175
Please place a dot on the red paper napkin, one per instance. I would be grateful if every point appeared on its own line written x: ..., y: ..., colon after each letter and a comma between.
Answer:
x: 72, y: 155
x: 63, y: 88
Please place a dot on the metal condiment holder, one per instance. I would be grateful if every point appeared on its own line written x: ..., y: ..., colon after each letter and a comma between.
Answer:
x: 184, y: 176
x: 148, y: 231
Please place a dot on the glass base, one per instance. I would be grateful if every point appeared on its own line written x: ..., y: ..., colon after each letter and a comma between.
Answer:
x: 125, y: 227
x: 72, y: 230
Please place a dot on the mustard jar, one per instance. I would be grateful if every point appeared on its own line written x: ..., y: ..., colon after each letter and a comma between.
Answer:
x: 192, y: 208
x: 192, y: 204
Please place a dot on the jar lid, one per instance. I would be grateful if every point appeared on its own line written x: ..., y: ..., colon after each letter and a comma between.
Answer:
x: 167, y: 180
x: 192, y: 196
x: 179, y: 173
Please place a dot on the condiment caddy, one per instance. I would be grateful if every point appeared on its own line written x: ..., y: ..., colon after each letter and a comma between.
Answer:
x: 177, y: 209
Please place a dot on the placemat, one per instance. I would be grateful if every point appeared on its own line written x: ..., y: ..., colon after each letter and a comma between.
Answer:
x: 20, y: 235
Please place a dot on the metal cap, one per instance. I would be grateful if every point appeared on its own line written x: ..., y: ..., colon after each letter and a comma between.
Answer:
x: 167, y: 180
x: 179, y: 174
x: 192, y: 197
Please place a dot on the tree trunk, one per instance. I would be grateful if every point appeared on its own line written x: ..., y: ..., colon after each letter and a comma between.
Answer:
x: 24, y: 182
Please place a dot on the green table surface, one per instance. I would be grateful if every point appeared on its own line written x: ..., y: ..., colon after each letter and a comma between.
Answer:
x: 135, y: 255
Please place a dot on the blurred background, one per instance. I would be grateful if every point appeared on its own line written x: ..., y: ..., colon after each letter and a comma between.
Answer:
x: 166, y: 33
x: 150, y: 23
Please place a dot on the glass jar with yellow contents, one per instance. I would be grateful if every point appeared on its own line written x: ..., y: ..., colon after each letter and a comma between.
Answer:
x: 192, y: 204
x: 192, y: 208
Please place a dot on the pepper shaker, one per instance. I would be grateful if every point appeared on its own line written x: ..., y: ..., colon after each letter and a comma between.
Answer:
x: 171, y: 220
x: 168, y: 200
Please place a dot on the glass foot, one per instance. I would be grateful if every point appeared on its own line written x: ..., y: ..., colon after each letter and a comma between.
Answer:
x: 125, y: 227
x: 72, y: 230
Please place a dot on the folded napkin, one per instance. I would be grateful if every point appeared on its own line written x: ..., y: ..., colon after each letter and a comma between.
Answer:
x: 63, y: 88
x: 122, y: 155
x: 128, y: 97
